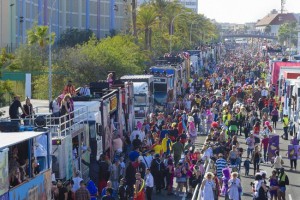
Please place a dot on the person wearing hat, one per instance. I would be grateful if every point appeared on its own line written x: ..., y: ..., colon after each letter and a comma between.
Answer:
x: 157, y: 170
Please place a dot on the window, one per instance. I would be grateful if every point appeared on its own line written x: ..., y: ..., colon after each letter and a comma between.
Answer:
x: 93, y: 7
x: 83, y: 6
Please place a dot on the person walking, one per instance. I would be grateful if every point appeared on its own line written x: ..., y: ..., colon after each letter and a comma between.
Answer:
x: 274, y: 117
x: 207, y: 187
x: 278, y: 161
x: 256, y: 159
x: 234, y: 186
x: 221, y: 163
x: 283, y: 181
x: 139, y: 188
x: 177, y: 150
x: 285, y: 121
x: 157, y: 170
x: 149, y: 184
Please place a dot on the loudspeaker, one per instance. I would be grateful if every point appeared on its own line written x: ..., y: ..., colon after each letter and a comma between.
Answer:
x: 12, y: 126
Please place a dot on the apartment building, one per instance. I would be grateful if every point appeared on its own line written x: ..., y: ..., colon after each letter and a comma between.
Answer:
x: 101, y: 16
x: 191, y: 4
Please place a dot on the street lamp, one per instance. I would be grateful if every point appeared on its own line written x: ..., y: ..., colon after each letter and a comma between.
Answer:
x: 171, y: 28
x: 21, y: 28
x: 11, y: 27
x: 50, y: 54
x: 191, y: 29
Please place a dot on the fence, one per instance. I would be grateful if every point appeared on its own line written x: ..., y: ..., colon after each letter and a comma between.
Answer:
x: 59, y: 126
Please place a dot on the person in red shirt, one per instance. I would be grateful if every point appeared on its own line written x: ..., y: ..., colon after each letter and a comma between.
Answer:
x: 69, y: 89
x: 265, y: 144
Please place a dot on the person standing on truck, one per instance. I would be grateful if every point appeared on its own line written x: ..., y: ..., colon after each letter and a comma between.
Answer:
x: 69, y: 89
x: 14, y: 108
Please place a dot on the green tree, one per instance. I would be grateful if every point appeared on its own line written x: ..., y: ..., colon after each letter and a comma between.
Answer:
x: 287, y: 34
x: 5, y: 86
x: 146, y: 19
x: 39, y: 35
x: 72, y: 37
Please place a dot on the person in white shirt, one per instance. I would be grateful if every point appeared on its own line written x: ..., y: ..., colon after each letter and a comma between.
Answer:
x: 264, y: 92
x: 55, y: 106
x: 85, y: 91
x: 76, y: 181
x: 149, y: 183
x: 137, y: 132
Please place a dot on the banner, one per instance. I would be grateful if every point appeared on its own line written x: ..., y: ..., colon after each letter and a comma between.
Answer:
x: 4, y: 196
x: 4, y: 176
x: 273, y: 146
x: 293, y: 151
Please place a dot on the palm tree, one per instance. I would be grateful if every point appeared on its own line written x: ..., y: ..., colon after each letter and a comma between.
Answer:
x: 160, y: 7
x: 39, y: 35
x: 145, y: 20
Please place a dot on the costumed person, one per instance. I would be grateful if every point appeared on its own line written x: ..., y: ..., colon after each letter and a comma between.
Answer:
x: 225, y: 179
x: 131, y: 170
x: 207, y: 187
x: 166, y: 144
x: 157, y: 170
x: 192, y: 129
x: 234, y: 185
x: 139, y: 188
x: 91, y: 187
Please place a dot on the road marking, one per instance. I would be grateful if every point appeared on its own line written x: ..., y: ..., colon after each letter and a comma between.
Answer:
x: 290, y: 197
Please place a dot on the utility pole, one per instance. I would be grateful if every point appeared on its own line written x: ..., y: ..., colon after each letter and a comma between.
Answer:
x: 282, y: 6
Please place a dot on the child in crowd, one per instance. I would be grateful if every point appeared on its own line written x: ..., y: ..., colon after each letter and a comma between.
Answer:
x: 247, y: 163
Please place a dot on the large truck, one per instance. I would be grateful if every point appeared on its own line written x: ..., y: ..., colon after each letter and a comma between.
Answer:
x: 141, y: 101
x: 143, y: 87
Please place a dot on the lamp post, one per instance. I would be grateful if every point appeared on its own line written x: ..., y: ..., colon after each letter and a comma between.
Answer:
x: 191, y: 29
x: 11, y: 27
x: 50, y: 54
x: 21, y: 28
x: 171, y: 28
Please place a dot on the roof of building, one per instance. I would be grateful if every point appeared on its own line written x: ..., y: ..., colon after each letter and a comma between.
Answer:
x: 276, y: 19
x: 12, y: 138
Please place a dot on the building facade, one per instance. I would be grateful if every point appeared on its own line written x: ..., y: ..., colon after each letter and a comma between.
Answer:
x: 191, y: 4
x: 101, y: 16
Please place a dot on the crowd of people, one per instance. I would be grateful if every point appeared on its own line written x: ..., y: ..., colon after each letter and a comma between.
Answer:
x: 228, y: 103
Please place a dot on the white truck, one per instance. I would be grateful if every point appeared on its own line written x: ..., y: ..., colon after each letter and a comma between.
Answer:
x: 141, y: 101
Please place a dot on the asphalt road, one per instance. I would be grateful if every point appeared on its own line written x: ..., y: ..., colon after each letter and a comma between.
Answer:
x: 293, y: 190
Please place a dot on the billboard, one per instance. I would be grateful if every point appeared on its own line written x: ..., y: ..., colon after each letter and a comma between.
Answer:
x: 273, y: 146
x: 38, y: 188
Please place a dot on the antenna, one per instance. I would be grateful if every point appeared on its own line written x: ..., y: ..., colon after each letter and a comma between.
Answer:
x: 282, y: 6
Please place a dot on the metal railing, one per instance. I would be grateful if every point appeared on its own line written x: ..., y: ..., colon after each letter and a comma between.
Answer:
x: 59, y: 126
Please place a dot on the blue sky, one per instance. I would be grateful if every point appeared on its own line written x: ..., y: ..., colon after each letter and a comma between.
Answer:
x: 241, y: 11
